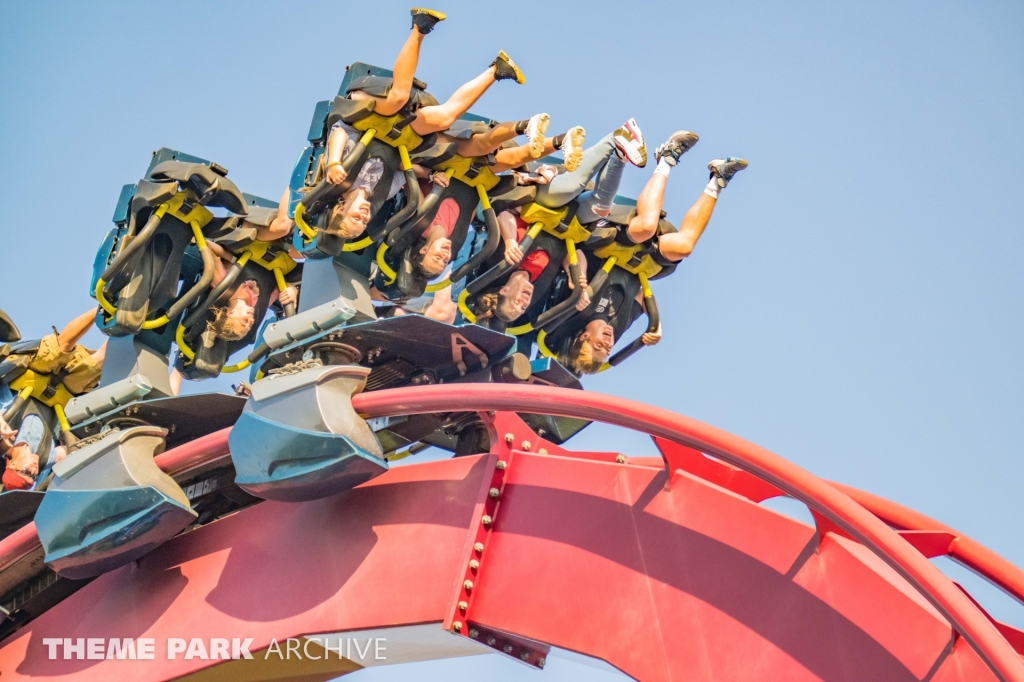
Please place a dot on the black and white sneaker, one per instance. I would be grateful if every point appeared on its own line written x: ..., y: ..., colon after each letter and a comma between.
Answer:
x: 506, y: 69
x: 424, y: 20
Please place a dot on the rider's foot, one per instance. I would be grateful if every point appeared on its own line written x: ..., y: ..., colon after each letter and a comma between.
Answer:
x: 722, y: 170
x: 629, y: 142
x: 572, y: 147
x: 506, y: 69
x: 535, y: 130
x: 675, y: 146
x: 424, y: 20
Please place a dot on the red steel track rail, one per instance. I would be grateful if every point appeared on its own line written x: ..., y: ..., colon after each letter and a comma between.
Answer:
x: 826, y: 499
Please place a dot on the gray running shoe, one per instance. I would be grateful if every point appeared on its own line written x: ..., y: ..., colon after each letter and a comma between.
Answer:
x: 724, y: 169
x: 675, y: 146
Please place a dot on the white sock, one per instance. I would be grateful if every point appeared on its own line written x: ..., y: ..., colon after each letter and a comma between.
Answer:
x: 713, y: 188
x: 664, y: 167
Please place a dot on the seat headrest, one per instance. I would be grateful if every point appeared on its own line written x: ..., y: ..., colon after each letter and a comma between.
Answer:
x: 211, y: 186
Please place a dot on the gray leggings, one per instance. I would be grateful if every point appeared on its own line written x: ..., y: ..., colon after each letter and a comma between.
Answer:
x: 568, y: 186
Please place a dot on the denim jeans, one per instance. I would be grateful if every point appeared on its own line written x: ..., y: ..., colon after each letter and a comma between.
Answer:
x: 600, y: 160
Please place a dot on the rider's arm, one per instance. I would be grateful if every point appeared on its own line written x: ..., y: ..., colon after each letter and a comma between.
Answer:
x: 281, y: 226
x: 73, y: 332
x: 336, y: 142
x: 509, y: 237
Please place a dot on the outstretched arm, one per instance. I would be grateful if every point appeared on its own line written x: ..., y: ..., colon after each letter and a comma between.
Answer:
x: 73, y: 332
x: 507, y: 228
x: 281, y: 226
x: 336, y: 142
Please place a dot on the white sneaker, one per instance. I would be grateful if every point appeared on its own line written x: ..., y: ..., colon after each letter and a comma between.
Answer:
x: 535, y: 132
x: 629, y: 142
x: 572, y: 147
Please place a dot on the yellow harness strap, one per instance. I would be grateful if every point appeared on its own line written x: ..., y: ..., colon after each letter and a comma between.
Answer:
x: 380, y: 126
x: 36, y: 384
x: 625, y: 258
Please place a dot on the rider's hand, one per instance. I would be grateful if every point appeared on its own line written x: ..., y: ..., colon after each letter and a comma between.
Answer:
x: 7, y: 436
x: 584, y: 300
x: 513, y: 254
x: 289, y: 295
x: 336, y: 175
x: 651, y: 338
x: 441, y: 179
x: 548, y: 172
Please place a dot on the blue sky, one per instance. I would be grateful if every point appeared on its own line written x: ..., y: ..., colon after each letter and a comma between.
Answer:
x: 855, y: 304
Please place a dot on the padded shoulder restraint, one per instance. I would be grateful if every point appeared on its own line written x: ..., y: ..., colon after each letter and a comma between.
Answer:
x: 150, y: 194
x: 464, y: 130
x: 508, y: 195
x: 8, y: 330
x: 380, y: 86
x: 27, y: 347
x: 213, y: 188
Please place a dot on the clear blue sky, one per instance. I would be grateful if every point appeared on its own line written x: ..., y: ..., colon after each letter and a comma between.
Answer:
x: 856, y: 304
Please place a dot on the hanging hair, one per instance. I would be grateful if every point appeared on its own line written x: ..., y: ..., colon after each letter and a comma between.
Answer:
x: 227, y: 328
x: 580, y: 357
x: 416, y: 259
x: 486, y: 304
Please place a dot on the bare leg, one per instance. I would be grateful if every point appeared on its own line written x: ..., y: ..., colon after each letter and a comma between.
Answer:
x: 648, y: 209
x: 404, y: 71
x: 678, y: 245
x: 482, y: 144
x: 515, y: 157
x: 440, y: 117
x: 73, y: 332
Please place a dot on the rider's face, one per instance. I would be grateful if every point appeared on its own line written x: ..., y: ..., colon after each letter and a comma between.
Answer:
x: 601, y: 337
x: 436, y: 256
x: 355, y: 214
x: 516, y: 296
x: 243, y: 313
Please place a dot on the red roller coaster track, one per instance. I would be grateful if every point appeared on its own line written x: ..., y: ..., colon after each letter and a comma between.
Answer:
x: 746, y: 471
